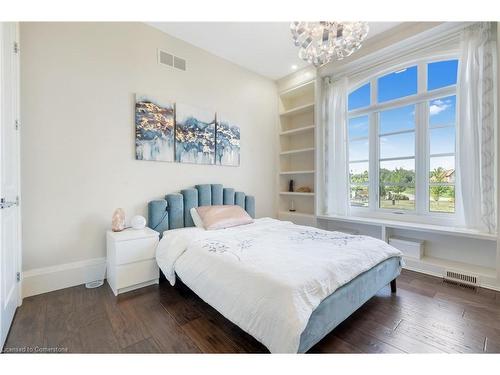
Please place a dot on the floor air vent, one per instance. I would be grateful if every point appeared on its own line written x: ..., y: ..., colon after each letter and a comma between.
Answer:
x: 165, y: 58
x: 461, y: 279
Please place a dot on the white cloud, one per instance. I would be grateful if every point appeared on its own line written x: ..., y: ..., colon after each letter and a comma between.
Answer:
x: 438, y: 106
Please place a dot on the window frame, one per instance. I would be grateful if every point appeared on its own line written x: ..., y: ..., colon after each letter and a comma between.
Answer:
x: 359, y: 161
x: 421, y: 101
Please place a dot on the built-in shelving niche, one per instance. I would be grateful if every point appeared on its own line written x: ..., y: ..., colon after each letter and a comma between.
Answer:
x: 297, y: 153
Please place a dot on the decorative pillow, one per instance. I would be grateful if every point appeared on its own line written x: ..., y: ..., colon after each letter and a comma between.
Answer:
x: 220, y: 217
x: 198, y: 223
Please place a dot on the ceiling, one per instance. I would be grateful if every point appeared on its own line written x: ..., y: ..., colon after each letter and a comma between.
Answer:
x: 263, y: 47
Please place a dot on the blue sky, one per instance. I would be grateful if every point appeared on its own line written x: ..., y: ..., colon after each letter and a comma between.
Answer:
x: 358, y: 150
x: 358, y: 127
x: 404, y: 82
x: 399, y: 84
x: 393, y: 120
x: 441, y: 74
x: 399, y: 145
x: 359, y: 98
x: 442, y: 112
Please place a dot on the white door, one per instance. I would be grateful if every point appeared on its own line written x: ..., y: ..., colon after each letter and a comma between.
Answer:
x: 9, y: 174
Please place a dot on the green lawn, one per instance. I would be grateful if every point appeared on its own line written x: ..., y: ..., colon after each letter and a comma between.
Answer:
x: 441, y: 206
x: 399, y: 205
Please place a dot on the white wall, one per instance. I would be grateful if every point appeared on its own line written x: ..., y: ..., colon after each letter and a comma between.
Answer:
x: 78, y: 161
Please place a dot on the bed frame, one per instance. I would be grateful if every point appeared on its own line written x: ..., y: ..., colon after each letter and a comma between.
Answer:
x: 173, y: 212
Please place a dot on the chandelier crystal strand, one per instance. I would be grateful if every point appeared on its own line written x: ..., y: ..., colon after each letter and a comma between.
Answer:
x: 321, y: 42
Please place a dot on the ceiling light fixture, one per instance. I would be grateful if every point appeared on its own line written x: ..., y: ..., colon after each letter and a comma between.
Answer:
x: 321, y: 42
x: 294, y: 67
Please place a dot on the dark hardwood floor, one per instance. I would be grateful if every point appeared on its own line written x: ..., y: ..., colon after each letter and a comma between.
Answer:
x: 426, y: 315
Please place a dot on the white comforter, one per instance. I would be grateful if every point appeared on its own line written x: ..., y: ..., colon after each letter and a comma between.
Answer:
x: 269, y: 276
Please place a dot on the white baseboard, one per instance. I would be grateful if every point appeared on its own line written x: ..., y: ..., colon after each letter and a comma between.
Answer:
x: 484, y: 282
x: 48, y: 279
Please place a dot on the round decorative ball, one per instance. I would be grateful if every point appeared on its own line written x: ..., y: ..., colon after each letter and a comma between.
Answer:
x: 138, y: 222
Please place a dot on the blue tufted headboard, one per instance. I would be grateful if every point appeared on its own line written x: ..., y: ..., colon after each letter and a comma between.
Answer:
x: 173, y: 211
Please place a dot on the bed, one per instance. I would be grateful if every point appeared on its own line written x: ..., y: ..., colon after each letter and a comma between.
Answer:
x: 286, y: 285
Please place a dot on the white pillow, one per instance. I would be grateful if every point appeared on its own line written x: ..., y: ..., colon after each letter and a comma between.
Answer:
x: 221, y: 217
x: 196, y: 218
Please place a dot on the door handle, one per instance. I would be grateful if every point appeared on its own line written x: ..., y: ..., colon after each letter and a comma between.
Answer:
x: 5, y: 204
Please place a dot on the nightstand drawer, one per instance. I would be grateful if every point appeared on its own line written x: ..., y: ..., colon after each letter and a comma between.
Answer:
x: 136, y: 273
x: 135, y: 250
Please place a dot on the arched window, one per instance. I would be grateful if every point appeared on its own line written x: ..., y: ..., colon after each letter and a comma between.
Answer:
x: 401, y: 139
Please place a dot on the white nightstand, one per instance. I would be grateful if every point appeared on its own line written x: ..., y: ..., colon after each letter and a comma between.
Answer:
x: 131, y: 259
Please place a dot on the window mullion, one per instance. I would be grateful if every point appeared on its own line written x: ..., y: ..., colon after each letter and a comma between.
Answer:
x: 404, y: 101
x: 373, y: 163
x: 421, y: 159
x: 422, y: 156
x: 373, y: 92
x: 422, y: 77
x: 374, y: 147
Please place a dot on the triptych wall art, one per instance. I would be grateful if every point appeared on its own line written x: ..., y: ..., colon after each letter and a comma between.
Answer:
x: 165, y: 131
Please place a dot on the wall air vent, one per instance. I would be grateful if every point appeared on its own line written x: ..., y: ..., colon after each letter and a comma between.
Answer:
x: 179, y: 63
x: 165, y: 58
x: 462, y: 279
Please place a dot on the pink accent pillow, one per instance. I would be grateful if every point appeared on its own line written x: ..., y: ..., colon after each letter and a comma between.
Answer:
x: 220, y: 217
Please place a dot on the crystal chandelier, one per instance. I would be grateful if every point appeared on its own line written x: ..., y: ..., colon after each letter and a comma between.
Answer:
x: 320, y: 42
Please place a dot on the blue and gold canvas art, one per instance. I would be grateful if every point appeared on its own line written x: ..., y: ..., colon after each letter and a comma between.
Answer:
x: 227, y: 149
x: 194, y: 135
x: 154, y: 129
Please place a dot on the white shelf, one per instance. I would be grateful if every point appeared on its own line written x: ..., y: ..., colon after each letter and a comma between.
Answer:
x: 297, y: 121
x: 298, y: 130
x: 455, y: 231
x: 291, y: 152
x: 298, y: 91
x: 298, y: 110
x: 298, y: 193
x: 297, y: 172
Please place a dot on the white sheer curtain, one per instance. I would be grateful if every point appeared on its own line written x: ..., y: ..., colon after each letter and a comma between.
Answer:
x: 335, y: 126
x: 476, y: 128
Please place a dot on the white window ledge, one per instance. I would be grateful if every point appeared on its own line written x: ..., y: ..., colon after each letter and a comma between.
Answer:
x: 455, y: 231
